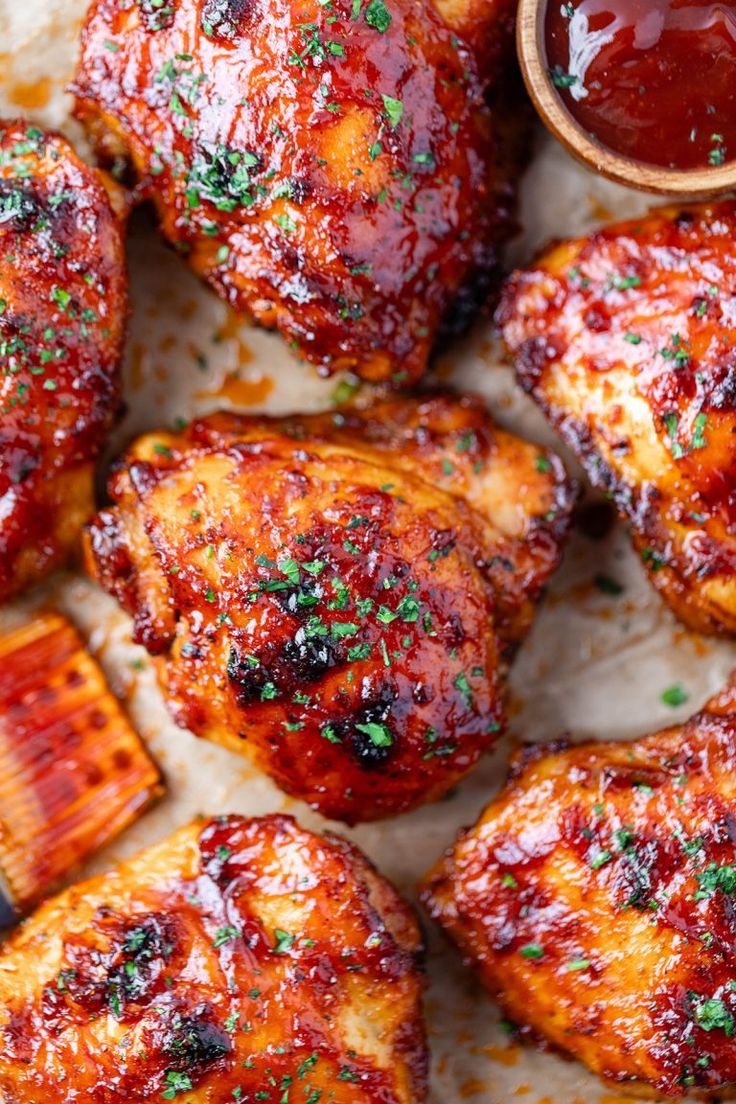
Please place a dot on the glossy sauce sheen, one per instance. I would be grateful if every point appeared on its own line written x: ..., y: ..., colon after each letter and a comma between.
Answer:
x: 653, y: 79
x: 597, y: 897
x: 627, y: 339
x: 241, y: 960
x: 62, y: 313
x: 337, y: 596
x: 329, y: 168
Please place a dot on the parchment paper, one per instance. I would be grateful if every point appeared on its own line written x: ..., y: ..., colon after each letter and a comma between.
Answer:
x: 595, y: 665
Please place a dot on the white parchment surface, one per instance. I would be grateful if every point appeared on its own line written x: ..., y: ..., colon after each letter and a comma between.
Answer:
x: 595, y: 665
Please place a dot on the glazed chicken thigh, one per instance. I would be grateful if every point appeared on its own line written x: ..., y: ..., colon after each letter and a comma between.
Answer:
x: 240, y: 960
x: 627, y: 341
x: 331, y: 168
x: 337, y: 595
x: 62, y: 314
x: 595, y: 896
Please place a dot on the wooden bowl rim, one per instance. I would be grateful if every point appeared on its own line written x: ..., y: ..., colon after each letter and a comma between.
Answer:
x: 558, y: 120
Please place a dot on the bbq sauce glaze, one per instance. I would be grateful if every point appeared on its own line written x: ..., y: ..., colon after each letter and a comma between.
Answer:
x: 652, y: 79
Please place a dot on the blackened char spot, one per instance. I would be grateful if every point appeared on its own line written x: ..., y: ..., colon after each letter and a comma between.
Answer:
x: 299, y: 600
x: 130, y: 970
x: 18, y: 207
x: 370, y: 750
x: 248, y: 676
x: 224, y: 18
x: 196, y: 1040
x: 532, y: 358
x: 475, y: 291
x: 637, y: 867
x: 684, y: 220
x: 139, y: 962
x: 303, y: 658
x: 299, y: 188
x: 308, y: 656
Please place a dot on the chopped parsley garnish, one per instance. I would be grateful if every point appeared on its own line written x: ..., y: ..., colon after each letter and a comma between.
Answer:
x: 378, y: 734
x: 607, y: 585
x: 394, y: 109
x: 283, y: 941
x: 715, y: 879
x: 561, y: 79
x: 460, y: 682
x: 176, y: 1083
x: 578, y: 964
x: 675, y: 695
x: 224, y: 935
x: 712, y: 1015
x: 377, y: 15
x: 531, y: 950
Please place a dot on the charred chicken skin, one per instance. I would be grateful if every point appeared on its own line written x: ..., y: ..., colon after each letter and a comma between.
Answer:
x: 596, y: 896
x: 626, y: 339
x: 330, y: 168
x: 62, y: 313
x: 336, y: 595
x: 240, y: 960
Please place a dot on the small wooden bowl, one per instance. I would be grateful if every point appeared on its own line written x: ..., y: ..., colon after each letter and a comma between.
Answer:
x: 586, y: 148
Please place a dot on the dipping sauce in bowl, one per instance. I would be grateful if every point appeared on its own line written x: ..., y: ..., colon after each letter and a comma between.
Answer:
x: 654, y: 80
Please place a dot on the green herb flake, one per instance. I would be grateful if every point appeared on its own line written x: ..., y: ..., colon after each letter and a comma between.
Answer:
x: 675, y: 695
x: 393, y: 108
x: 560, y: 78
x: 715, y: 879
x: 712, y: 1015
x: 176, y: 1083
x: 225, y: 935
x: 607, y: 585
x: 283, y: 941
x: 531, y: 950
x: 378, y: 734
x: 578, y: 964
x: 377, y: 15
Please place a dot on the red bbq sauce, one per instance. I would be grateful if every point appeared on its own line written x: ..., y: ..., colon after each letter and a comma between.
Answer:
x: 652, y: 79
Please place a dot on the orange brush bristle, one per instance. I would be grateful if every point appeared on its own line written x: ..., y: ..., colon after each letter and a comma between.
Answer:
x: 73, y: 773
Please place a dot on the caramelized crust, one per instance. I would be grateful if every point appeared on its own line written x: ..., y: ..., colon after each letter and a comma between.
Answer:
x: 62, y: 313
x: 73, y: 773
x: 626, y: 339
x: 336, y: 595
x: 240, y: 960
x: 330, y: 168
x: 596, y: 898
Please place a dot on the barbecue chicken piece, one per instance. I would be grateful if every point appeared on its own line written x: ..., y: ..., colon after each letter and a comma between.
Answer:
x: 62, y: 314
x: 627, y: 341
x: 336, y: 595
x: 331, y: 168
x: 240, y: 960
x: 596, y: 898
